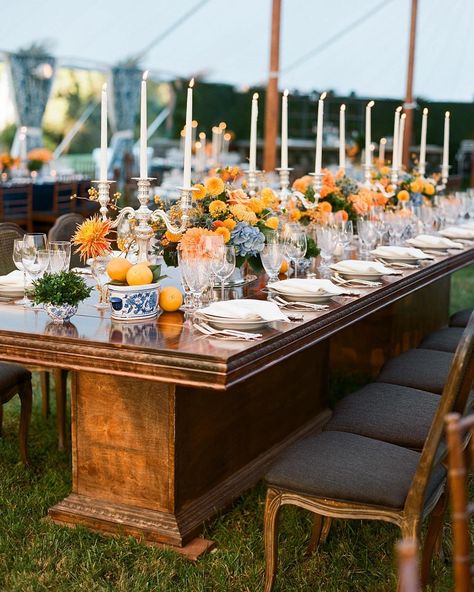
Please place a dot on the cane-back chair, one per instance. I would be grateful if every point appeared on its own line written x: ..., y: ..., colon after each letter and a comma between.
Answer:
x: 16, y: 205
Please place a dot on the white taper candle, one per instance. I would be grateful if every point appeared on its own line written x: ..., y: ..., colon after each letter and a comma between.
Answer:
x: 253, y: 134
x: 396, y: 125
x: 103, y: 135
x: 284, y: 130
x: 445, y: 166
x: 188, y: 138
x: 401, y: 134
x: 424, y: 127
x: 342, y: 138
x: 143, y: 130
x: 319, y: 135
x: 368, y: 133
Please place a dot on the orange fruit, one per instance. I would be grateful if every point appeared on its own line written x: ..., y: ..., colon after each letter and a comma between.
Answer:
x: 139, y: 274
x: 284, y: 266
x: 170, y: 299
x: 117, y: 269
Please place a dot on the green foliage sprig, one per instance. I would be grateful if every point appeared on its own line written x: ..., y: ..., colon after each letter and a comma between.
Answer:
x: 65, y: 287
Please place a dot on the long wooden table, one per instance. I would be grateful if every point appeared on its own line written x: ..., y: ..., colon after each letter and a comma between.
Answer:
x: 169, y: 427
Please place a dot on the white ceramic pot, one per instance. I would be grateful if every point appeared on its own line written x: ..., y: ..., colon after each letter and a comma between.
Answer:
x: 133, y: 303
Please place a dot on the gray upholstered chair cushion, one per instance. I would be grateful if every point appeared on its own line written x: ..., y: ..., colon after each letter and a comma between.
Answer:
x: 11, y: 374
x: 425, y: 369
x: 460, y: 318
x: 445, y: 339
x: 388, y: 412
x: 343, y: 466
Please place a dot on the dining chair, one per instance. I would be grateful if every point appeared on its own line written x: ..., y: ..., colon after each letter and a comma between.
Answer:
x: 9, y: 232
x: 63, y: 230
x: 62, y: 204
x: 458, y: 431
x: 344, y: 475
x: 460, y: 318
x: 16, y: 205
x: 408, y: 570
x: 16, y: 380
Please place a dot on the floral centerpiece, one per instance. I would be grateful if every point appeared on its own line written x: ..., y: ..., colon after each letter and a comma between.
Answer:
x: 220, y: 208
x: 7, y: 162
x: 38, y: 157
x: 415, y: 188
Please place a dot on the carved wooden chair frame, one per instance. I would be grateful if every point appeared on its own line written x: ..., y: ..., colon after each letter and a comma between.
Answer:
x: 409, y: 518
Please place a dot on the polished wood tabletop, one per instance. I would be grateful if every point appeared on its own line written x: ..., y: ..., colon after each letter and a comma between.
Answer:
x: 170, y: 349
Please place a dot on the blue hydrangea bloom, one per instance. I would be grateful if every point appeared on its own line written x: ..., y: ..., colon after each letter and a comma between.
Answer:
x: 247, y: 240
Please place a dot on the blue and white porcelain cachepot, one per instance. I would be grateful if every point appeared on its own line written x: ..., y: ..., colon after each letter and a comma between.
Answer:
x: 133, y: 303
x: 62, y: 312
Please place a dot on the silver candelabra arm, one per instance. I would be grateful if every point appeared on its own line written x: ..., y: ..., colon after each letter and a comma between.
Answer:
x: 309, y: 205
x: 162, y: 215
x: 127, y: 212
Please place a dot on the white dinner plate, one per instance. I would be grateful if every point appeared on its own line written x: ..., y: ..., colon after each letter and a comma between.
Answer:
x: 239, y: 324
x: 359, y: 275
x: 299, y: 297
x: 13, y: 291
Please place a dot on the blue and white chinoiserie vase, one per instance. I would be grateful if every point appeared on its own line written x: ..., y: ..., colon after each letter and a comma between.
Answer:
x: 133, y: 303
x: 62, y: 312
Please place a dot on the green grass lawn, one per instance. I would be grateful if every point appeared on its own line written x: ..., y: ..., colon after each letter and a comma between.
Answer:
x: 37, y: 556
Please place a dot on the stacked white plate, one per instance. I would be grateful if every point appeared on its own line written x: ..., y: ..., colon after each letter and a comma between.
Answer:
x: 306, y: 290
x: 458, y: 232
x: 362, y: 270
x: 244, y: 314
x: 434, y: 243
x: 11, y: 285
x: 400, y: 254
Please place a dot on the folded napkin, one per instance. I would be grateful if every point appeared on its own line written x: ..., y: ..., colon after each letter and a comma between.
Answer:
x: 394, y: 252
x: 429, y: 241
x: 354, y: 266
x: 245, y: 309
x: 14, y: 278
x: 308, y: 287
x: 458, y: 232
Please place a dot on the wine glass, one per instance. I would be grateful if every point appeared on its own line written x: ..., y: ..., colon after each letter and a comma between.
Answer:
x: 59, y: 256
x: 295, y: 244
x: 272, y: 257
x: 195, y: 269
x: 213, y: 249
x: 227, y: 267
x: 32, y: 242
x: 17, y: 256
x: 99, y: 272
x: 327, y: 238
x: 367, y: 235
x: 35, y: 261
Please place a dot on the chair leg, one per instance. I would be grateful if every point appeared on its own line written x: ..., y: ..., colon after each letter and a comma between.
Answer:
x: 325, y: 531
x: 270, y: 533
x: 60, y: 384
x: 44, y: 378
x: 432, y: 538
x: 315, y: 534
x: 25, y: 394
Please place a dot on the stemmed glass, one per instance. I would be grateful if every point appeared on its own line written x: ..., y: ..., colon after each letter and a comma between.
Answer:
x: 33, y: 242
x: 195, y: 270
x: 327, y: 238
x: 367, y: 235
x: 227, y: 267
x: 213, y: 249
x: 346, y: 232
x: 59, y: 256
x: 98, y: 268
x: 295, y: 244
x: 272, y: 257
x: 396, y: 225
x: 18, y: 261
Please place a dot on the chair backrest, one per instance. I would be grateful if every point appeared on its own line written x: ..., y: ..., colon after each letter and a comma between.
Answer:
x: 408, y: 570
x: 62, y: 202
x: 462, y: 510
x: 8, y: 233
x: 63, y: 230
x: 16, y: 204
x: 454, y: 398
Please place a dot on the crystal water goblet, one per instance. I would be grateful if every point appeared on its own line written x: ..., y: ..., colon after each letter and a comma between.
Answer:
x: 59, y: 256
x: 327, y: 239
x: 228, y: 266
x: 17, y: 256
x: 272, y: 257
x: 295, y: 244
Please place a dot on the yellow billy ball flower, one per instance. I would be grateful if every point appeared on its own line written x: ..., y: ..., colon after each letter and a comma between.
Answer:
x: 429, y: 189
x: 416, y: 186
x: 217, y: 207
x: 256, y: 205
x: 403, y: 195
x: 215, y: 186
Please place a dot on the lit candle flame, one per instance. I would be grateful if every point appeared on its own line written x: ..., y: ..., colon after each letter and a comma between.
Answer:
x: 403, y: 116
x: 425, y: 111
x: 447, y: 114
x: 383, y: 140
x: 370, y: 104
x: 343, y: 107
x: 398, y: 109
x: 104, y: 86
x: 285, y: 93
x: 202, y: 136
x: 145, y: 75
x: 191, y: 83
x: 255, y: 96
x: 323, y: 96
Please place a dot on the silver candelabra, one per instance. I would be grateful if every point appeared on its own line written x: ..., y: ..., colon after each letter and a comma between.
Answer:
x: 285, y: 192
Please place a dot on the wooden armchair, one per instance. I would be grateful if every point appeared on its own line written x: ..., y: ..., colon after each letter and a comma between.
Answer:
x: 9, y: 232
x: 457, y: 429
x: 16, y: 205
x: 345, y: 475
x: 15, y: 379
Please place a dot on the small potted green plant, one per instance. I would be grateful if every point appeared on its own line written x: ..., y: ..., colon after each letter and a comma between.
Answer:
x: 60, y: 293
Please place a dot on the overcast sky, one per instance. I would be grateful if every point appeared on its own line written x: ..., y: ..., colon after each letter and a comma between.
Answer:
x: 229, y: 40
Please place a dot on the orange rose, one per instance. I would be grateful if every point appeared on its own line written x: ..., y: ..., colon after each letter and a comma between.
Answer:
x: 238, y: 196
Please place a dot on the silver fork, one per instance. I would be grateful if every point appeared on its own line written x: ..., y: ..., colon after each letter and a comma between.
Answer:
x: 282, y: 303
x: 397, y: 265
x: 355, y: 282
x: 208, y: 330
